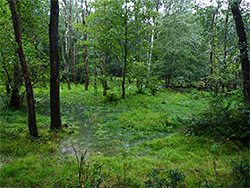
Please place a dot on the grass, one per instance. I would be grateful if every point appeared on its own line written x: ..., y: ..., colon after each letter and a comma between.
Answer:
x: 130, y: 137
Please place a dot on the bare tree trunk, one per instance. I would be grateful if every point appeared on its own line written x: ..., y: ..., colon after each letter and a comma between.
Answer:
x: 30, y: 98
x: 95, y: 70
x: 70, y: 41
x: 54, y: 67
x: 66, y: 45
x: 76, y: 60
x: 85, y: 46
x: 8, y: 82
x: 15, y: 99
x: 77, y: 47
x: 125, y: 52
x: 211, y: 51
x: 243, y: 51
x: 225, y: 39
x: 103, y: 74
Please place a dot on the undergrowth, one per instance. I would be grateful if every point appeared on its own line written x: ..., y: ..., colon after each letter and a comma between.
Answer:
x: 137, y: 142
x: 223, y: 121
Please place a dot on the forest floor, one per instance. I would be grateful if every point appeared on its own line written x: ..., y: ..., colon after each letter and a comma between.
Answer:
x: 137, y: 142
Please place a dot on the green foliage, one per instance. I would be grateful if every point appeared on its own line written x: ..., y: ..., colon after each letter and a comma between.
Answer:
x: 222, y: 121
x: 130, y: 137
x: 241, y: 173
x: 91, y: 174
x: 165, y: 178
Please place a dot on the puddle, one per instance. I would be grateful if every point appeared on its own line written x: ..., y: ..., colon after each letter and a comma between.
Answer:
x: 91, y: 136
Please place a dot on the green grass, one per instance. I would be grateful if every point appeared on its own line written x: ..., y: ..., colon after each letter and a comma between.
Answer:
x: 129, y: 136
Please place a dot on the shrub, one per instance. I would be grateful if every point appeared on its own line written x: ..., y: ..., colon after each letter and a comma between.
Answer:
x: 165, y: 178
x: 241, y: 173
x: 221, y: 121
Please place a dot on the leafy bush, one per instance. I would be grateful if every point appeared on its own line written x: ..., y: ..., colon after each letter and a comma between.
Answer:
x: 112, y: 97
x: 165, y: 178
x: 222, y: 121
x: 241, y: 173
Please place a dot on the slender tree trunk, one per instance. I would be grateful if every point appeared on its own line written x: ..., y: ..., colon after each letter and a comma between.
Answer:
x: 211, y: 51
x: 8, y: 82
x: 225, y: 39
x: 151, y: 48
x: 70, y: 41
x: 95, y: 70
x: 30, y: 98
x: 54, y: 67
x: 76, y: 60
x: 32, y: 30
x: 125, y: 52
x: 102, y: 70
x: 66, y: 45
x: 85, y: 46
x: 243, y: 51
x: 15, y: 99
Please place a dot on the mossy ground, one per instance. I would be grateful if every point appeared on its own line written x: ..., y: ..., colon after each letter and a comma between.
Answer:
x: 129, y: 136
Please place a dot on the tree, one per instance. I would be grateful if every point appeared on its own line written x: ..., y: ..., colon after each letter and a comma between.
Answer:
x: 70, y: 41
x: 66, y: 45
x: 85, y: 45
x: 30, y: 98
x: 54, y: 67
x: 243, y: 51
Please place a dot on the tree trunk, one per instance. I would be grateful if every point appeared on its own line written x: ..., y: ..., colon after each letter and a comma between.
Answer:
x: 243, y: 52
x: 76, y: 60
x: 15, y: 99
x: 85, y: 46
x: 30, y: 98
x: 125, y: 52
x: 54, y: 67
x: 66, y: 45
x: 70, y: 41
x: 211, y: 51
x: 95, y: 80
x: 103, y: 74
x: 225, y: 39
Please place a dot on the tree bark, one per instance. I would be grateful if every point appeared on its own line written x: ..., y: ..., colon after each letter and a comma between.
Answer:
x: 211, y: 51
x: 54, y: 67
x: 243, y: 52
x: 66, y: 45
x: 225, y: 39
x: 30, y: 98
x: 70, y: 41
x: 125, y: 51
x: 85, y: 45
x: 15, y: 99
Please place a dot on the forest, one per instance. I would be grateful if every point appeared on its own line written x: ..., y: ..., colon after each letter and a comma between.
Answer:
x: 125, y: 93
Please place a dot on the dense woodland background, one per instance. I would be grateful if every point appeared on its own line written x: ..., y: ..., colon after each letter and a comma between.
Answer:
x: 182, y: 43
x: 155, y: 72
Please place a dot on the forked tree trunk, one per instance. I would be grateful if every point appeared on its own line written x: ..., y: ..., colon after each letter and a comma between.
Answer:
x: 30, y: 98
x: 243, y: 52
x: 54, y: 67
